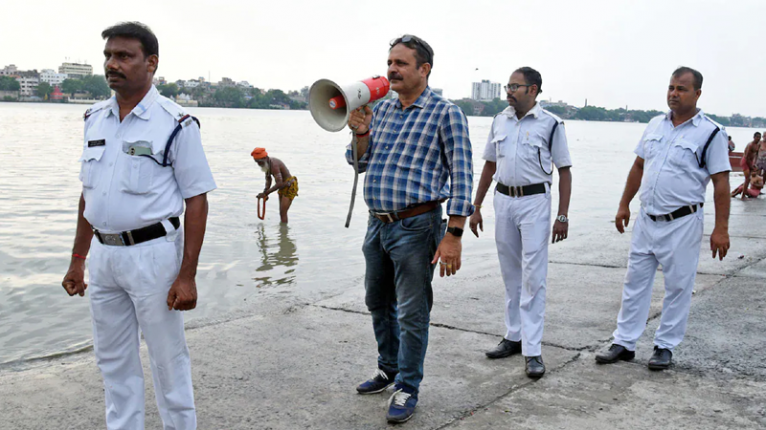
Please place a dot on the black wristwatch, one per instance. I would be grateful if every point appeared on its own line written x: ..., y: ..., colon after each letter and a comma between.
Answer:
x: 455, y: 231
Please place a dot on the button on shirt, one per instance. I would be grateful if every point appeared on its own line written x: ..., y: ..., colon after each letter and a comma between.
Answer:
x: 672, y: 176
x: 413, y: 151
x: 125, y: 192
x: 520, y: 147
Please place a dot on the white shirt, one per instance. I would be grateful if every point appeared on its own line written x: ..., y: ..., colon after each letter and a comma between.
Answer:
x: 672, y: 176
x: 520, y: 147
x: 126, y: 192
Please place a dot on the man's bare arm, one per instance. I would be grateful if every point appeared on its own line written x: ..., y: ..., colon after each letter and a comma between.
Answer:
x: 631, y: 188
x: 74, y: 280
x: 719, y: 239
x: 183, y: 293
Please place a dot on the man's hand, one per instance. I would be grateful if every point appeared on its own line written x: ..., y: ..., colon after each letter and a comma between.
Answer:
x: 263, y: 196
x: 360, y: 119
x: 74, y: 280
x: 476, y: 220
x: 183, y: 294
x: 560, y: 231
x: 448, y: 252
x: 719, y: 242
x: 622, y: 219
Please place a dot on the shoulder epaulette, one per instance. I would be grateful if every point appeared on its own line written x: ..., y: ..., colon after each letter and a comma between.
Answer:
x: 95, y: 108
x: 558, y: 119
x: 714, y: 122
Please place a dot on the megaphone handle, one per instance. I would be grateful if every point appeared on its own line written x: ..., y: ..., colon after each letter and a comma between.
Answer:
x: 356, y: 179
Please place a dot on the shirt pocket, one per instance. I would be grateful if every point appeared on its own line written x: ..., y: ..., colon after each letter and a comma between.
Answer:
x: 652, y: 148
x: 143, y: 160
x: 683, y: 155
x: 500, y: 144
x: 90, y: 161
x: 530, y: 146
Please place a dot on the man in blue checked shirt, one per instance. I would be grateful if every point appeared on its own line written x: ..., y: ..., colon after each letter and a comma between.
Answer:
x: 409, y: 147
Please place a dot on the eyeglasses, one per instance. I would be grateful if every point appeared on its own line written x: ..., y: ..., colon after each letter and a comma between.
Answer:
x: 513, y: 87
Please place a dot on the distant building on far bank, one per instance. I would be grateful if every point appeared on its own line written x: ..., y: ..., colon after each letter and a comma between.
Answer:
x: 75, y: 70
x: 28, y: 85
x: 50, y: 76
x: 485, y: 91
x: 186, y: 100
x: 9, y: 70
x: 57, y: 95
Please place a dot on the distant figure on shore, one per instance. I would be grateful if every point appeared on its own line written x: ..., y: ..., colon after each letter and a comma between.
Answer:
x: 756, y: 184
x: 732, y: 146
x: 525, y: 143
x: 416, y: 154
x: 286, y: 185
x: 135, y: 184
x: 677, y: 156
x: 748, y: 159
x: 760, y: 159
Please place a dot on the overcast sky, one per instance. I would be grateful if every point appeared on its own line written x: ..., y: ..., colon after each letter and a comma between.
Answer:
x: 614, y: 53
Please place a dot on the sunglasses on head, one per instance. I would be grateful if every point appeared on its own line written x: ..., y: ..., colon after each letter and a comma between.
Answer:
x: 407, y: 38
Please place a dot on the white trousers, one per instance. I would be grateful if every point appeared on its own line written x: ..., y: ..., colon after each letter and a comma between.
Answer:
x: 128, y: 296
x: 676, y: 246
x: 522, y: 232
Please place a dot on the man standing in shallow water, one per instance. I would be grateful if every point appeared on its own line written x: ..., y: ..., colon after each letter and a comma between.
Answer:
x: 286, y: 185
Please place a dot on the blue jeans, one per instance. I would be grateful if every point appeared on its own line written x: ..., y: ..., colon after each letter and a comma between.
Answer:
x: 398, y: 290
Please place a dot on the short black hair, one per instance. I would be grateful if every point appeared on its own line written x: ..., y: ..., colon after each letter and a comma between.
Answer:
x: 135, y: 30
x: 757, y: 133
x: 697, y: 76
x: 423, y: 52
x: 531, y: 77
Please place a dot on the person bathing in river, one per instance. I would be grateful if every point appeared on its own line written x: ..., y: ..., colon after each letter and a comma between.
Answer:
x: 756, y: 184
x: 286, y: 185
x: 748, y: 159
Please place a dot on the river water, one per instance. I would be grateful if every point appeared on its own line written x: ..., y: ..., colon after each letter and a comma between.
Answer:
x: 243, y: 258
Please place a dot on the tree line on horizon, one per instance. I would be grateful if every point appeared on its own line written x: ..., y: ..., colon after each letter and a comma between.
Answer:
x: 596, y: 113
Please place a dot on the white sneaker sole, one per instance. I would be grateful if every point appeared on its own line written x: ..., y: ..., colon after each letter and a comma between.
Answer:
x: 375, y: 392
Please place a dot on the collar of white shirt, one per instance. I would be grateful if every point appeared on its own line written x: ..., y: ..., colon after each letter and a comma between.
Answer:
x: 510, y: 112
x: 142, y: 108
x: 695, y: 119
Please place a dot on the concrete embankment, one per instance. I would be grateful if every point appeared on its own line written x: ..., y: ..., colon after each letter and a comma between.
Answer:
x: 292, y: 364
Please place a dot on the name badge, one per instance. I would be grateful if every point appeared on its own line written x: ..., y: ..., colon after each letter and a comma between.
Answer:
x: 94, y: 143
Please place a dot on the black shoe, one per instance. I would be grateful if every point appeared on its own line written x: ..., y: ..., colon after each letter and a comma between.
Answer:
x: 615, y: 353
x: 378, y: 383
x: 505, y: 348
x: 661, y: 359
x: 535, y: 367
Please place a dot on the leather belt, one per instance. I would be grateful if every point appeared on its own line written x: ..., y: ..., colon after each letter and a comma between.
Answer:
x: 680, y: 213
x: 134, y: 237
x: 389, y: 217
x: 526, y: 190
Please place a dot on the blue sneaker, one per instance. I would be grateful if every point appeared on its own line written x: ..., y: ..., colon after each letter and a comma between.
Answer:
x: 401, y: 405
x: 377, y: 384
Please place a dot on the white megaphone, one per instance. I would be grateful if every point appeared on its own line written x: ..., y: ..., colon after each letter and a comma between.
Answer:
x: 331, y: 104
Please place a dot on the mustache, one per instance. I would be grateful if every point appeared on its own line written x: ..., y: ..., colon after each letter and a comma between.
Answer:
x: 119, y: 75
x: 509, y: 98
x: 392, y: 76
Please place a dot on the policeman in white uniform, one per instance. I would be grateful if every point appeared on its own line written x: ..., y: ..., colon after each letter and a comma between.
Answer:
x: 142, y: 160
x: 676, y: 158
x: 523, y: 142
